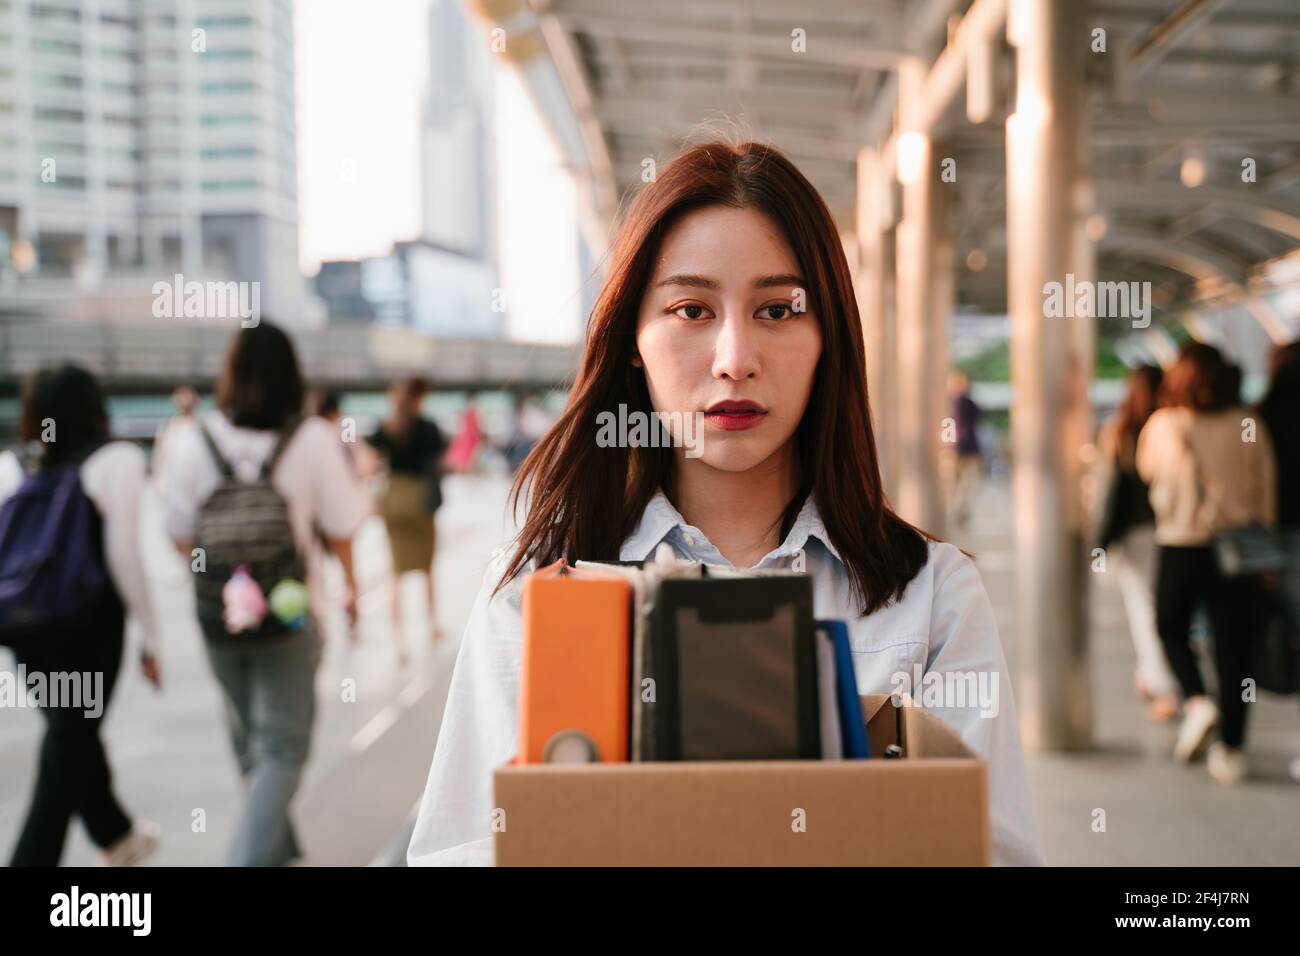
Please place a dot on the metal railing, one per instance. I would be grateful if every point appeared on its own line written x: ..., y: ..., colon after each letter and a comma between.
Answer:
x: 153, y: 356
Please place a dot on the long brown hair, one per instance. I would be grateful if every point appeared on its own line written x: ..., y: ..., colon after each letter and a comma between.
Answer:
x: 1141, y: 398
x: 585, y: 499
x: 411, y: 391
x: 261, y: 384
x: 1200, y: 379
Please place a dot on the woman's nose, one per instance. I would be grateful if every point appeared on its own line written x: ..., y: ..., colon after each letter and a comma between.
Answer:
x: 735, y: 351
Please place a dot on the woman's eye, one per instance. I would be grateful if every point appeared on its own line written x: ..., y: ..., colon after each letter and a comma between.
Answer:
x: 690, y: 311
x: 777, y: 311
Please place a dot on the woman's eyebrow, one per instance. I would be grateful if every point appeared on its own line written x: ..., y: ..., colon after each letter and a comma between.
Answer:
x: 684, y: 278
x: 785, y: 279
x: 704, y: 282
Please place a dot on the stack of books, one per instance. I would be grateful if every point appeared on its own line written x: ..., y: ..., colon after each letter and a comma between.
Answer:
x: 676, y: 660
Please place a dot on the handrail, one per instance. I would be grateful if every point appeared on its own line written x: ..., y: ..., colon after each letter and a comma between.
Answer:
x: 153, y: 354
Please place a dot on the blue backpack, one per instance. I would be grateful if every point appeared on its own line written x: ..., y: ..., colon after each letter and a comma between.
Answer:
x: 52, y: 567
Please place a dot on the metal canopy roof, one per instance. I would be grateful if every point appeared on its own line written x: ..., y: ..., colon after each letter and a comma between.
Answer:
x: 1207, y: 78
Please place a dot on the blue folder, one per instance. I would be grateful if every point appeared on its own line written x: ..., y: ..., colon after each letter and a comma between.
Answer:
x: 853, y: 730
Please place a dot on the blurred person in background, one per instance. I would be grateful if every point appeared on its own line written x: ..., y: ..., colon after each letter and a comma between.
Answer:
x: 263, y: 641
x: 1206, y: 477
x: 530, y: 424
x: 412, y: 448
x: 326, y: 403
x: 462, y: 456
x: 1232, y: 379
x: 80, y: 507
x: 328, y: 599
x: 185, y: 401
x: 1127, y: 535
x: 1280, y: 410
x: 962, y: 463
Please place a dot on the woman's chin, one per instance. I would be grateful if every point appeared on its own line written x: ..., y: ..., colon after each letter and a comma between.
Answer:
x: 737, y: 456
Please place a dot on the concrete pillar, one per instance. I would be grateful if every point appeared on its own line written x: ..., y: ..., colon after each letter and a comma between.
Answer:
x: 887, y: 434
x: 923, y: 313
x: 875, y: 288
x: 1049, y: 373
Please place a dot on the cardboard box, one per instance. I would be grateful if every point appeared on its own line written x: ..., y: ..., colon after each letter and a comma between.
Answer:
x: 929, y: 808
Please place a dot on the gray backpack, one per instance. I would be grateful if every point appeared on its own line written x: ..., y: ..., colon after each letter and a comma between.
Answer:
x: 244, y: 523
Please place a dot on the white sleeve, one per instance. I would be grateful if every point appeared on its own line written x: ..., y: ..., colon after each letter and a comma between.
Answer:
x: 114, y: 479
x: 338, y: 505
x: 964, y: 638
x: 11, y: 474
x: 1153, y: 446
x: 188, y: 479
x: 478, y: 734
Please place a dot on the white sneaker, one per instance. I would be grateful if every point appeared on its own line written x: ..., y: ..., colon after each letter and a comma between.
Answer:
x: 1200, y: 714
x: 1226, y: 765
x: 134, y: 848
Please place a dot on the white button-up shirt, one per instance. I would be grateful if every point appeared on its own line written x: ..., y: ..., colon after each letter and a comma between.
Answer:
x: 943, y: 627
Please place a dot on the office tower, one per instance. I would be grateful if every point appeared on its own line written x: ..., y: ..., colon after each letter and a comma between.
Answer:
x: 450, y: 272
x: 458, y: 155
x: 141, y: 139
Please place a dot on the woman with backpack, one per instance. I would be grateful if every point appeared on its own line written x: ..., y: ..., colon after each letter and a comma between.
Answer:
x: 70, y: 569
x: 1209, y: 464
x: 249, y: 488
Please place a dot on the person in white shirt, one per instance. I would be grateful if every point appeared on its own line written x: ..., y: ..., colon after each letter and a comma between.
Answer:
x: 185, y: 401
x: 63, y: 414
x: 728, y: 298
x: 268, y: 686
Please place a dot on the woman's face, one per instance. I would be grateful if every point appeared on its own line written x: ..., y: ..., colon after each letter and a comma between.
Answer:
x: 724, y: 320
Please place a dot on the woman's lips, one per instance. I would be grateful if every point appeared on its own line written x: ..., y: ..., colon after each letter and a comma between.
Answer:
x: 734, y: 417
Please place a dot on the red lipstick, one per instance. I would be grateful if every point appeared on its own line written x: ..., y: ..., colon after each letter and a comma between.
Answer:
x: 735, y: 415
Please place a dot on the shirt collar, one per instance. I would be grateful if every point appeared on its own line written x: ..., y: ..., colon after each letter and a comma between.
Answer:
x: 660, y: 518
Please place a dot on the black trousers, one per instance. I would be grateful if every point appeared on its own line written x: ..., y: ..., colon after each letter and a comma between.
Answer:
x: 73, y: 778
x: 1188, y: 577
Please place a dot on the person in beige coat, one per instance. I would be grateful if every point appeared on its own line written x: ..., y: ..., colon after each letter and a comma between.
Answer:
x: 1209, y: 463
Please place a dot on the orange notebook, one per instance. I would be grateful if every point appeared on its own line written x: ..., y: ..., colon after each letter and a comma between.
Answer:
x: 574, y: 695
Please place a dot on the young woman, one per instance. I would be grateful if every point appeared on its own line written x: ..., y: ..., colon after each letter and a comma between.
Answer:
x: 1128, y: 533
x: 63, y: 413
x: 1208, y: 471
x: 729, y: 295
x: 412, y: 448
x: 267, y: 685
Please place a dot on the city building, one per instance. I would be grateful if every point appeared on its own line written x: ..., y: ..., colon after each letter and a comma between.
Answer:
x: 457, y: 138
x: 138, y: 141
x: 446, y: 281
x: 441, y: 291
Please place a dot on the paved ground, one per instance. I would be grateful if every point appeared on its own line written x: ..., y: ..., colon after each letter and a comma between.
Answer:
x: 371, y: 756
